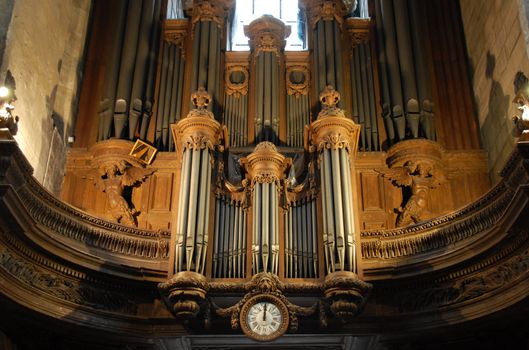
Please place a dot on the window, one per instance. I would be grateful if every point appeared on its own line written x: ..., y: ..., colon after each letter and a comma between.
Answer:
x: 248, y: 10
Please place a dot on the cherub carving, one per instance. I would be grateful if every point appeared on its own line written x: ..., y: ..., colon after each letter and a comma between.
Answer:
x: 112, y: 178
x: 420, y: 176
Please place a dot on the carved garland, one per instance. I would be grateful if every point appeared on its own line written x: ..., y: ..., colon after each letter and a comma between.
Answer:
x: 236, y: 89
x: 298, y: 89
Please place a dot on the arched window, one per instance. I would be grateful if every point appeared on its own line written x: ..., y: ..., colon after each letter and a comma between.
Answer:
x: 248, y: 10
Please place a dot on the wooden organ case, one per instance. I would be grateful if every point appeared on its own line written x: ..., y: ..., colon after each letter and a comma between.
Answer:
x: 302, y: 180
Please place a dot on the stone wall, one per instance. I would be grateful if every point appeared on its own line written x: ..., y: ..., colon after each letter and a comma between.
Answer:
x: 497, y: 51
x: 44, y: 52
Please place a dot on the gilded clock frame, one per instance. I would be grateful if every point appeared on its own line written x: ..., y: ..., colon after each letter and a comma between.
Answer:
x: 243, y: 320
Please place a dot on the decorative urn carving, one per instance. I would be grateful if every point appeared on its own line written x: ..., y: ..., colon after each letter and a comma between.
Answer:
x: 185, y: 294
x: 345, y: 294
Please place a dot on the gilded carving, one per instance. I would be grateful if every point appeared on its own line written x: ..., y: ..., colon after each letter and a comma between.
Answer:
x: 236, y: 89
x: 265, y: 164
x: 204, y: 10
x: 333, y: 130
x: 358, y: 29
x: 175, y: 33
x: 326, y: 10
x: 265, y: 283
x: 199, y: 129
x: 267, y: 34
x: 298, y: 89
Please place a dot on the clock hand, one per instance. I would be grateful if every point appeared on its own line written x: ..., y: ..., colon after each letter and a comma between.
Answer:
x: 264, y: 314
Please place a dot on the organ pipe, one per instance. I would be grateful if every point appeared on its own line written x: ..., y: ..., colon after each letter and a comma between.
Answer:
x: 265, y: 168
x: 128, y: 87
x: 406, y: 92
x: 267, y: 42
x: 196, y: 136
x: 334, y: 138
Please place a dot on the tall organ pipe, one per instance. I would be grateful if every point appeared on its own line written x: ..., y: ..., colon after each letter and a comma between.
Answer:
x: 192, y: 223
x: 265, y: 167
x: 337, y: 181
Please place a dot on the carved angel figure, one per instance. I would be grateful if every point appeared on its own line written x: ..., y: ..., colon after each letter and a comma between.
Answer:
x: 112, y: 178
x: 421, y: 176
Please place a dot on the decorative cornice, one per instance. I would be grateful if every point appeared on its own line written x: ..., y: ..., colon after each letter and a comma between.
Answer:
x: 267, y: 34
x: 175, y: 32
x: 358, y: 29
x: 326, y: 10
x: 438, y: 233
x: 265, y: 164
x: 210, y: 10
x: 64, y: 288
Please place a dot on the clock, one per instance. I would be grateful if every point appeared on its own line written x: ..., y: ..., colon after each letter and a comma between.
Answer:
x: 264, y: 317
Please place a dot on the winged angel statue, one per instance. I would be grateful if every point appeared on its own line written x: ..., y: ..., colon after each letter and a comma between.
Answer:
x: 112, y: 178
x: 421, y: 176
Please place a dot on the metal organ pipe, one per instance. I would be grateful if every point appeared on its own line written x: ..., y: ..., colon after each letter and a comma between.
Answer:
x: 337, y: 181
x: 197, y: 134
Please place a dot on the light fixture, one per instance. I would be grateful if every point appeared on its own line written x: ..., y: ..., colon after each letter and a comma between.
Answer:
x: 7, y: 120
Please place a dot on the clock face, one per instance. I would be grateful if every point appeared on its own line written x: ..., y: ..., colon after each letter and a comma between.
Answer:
x: 264, y: 318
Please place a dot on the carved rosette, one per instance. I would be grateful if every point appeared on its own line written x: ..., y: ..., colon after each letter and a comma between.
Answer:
x: 236, y: 89
x: 358, y: 29
x: 175, y: 32
x: 207, y: 10
x: 199, y: 129
x: 345, y: 294
x: 332, y: 129
x: 265, y: 164
x: 298, y: 89
x: 267, y: 34
x: 326, y: 10
x: 184, y: 294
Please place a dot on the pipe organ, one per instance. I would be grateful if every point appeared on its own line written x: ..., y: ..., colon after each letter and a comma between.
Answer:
x: 279, y: 166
